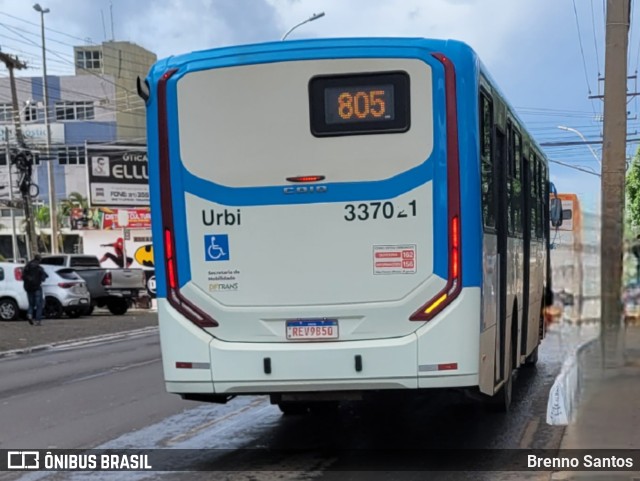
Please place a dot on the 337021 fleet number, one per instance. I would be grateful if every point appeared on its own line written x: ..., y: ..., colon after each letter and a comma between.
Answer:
x: 378, y: 210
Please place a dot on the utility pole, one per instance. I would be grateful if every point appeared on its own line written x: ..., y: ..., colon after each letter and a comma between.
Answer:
x: 613, y: 179
x: 12, y: 63
x: 14, y: 237
x: 53, y: 211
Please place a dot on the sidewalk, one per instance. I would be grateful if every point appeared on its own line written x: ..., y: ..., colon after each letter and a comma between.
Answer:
x: 609, y: 412
x: 20, y: 334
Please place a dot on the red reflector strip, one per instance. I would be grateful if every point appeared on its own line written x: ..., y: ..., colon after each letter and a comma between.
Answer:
x: 193, y: 365
x: 451, y: 366
x: 173, y: 283
x: 306, y: 178
x: 454, y: 232
x: 454, y: 262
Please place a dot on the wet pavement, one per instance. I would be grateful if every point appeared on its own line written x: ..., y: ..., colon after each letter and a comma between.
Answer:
x: 20, y: 334
x: 252, y: 436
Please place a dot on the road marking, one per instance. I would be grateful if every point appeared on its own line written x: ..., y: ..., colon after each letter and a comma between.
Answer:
x: 529, y: 432
x: 181, y: 437
x: 113, y: 370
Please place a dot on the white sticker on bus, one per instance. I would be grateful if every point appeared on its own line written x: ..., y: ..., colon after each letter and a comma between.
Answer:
x: 395, y: 259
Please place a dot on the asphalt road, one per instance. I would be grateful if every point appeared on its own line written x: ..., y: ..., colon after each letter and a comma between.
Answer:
x: 19, y: 335
x: 112, y: 396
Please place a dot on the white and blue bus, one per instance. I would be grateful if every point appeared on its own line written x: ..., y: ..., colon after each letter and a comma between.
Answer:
x: 334, y: 218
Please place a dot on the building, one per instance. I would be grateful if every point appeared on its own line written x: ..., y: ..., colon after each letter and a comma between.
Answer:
x: 97, y: 104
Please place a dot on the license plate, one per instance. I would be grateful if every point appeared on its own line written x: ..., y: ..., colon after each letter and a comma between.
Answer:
x: 312, y: 329
x: 126, y: 293
x: 84, y: 301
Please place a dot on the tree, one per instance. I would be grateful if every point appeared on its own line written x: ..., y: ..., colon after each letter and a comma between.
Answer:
x: 633, y: 191
x: 73, y: 201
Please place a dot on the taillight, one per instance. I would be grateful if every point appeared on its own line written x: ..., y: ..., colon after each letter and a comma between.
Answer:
x: 17, y: 272
x: 306, y: 178
x: 454, y: 281
x: 171, y: 268
x: 181, y: 304
x: 66, y: 285
x: 107, y: 279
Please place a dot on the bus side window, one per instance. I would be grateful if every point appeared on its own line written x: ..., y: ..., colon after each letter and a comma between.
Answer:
x: 533, y: 194
x: 517, y: 183
x: 510, y: 164
x: 486, y: 163
x: 540, y: 204
x: 544, y: 195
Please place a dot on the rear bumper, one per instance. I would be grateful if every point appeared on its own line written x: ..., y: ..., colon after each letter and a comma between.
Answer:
x: 443, y: 353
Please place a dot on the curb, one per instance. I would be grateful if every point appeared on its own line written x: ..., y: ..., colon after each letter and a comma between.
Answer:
x: 79, y: 342
x: 565, y: 391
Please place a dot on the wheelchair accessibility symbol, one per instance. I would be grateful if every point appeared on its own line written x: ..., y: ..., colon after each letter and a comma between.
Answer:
x: 216, y: 247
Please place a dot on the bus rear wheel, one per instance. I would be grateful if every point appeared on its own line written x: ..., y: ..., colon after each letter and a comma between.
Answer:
x: 290, y: 408
x: 501, y: 401
x: 532, y: 359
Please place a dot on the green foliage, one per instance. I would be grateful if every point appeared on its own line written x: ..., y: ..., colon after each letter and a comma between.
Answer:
x: 633, y: 191
x: 75, y: 199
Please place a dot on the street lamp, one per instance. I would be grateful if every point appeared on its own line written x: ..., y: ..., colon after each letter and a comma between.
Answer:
x: 313, y: 17
x: 578, y: 133
x: 51, y: 179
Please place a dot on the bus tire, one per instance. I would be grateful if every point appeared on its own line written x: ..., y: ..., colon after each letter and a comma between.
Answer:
x: 501, y: 401
x: 290, y: 408
x: 325, y: 407
x: 532, y: 359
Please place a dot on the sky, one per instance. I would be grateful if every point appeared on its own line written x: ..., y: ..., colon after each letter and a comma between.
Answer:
x: 545, y: 55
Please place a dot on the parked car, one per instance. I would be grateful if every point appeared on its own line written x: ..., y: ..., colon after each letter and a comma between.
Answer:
x: 111, y: 288
x: 65, y: 292
x: 13, y: 298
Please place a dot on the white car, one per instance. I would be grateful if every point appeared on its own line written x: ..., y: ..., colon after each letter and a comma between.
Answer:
x: 13, y: 298
x: 65, y: 292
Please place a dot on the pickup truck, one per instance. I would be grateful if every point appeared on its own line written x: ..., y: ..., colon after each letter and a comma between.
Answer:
x: 113, y: 288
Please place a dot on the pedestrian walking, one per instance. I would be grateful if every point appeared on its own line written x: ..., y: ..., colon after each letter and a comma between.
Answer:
x: 33, y: 275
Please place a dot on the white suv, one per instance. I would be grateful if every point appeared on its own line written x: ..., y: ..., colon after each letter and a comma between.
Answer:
x: 13, y: 297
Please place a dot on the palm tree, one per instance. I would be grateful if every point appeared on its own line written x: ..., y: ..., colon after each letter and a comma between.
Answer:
x: 74, y: 200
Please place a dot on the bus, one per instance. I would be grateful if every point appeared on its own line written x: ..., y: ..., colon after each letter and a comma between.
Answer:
x: 336, y: 218
x: 568, y: 258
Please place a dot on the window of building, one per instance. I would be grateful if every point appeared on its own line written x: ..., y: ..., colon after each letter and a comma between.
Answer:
x: 71, y: 156
x: 31, y: 113
x: 486, y: 157
x: 89, y: 59
x: 69, y: 110
x: 7, y: 212
x: 6, y: 113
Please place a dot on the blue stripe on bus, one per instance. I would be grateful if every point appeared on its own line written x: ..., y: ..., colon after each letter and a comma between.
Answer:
x: 336, y: 192
x: 434, y: 168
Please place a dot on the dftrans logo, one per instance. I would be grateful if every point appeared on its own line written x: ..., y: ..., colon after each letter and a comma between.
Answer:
x: 23, y: 460
x: 216, y: 247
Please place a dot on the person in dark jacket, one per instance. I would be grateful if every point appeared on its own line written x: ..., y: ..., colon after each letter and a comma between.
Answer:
x: 33, y: 275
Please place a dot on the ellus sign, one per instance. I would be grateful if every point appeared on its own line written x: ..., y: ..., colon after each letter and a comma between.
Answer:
x: 118, y: 176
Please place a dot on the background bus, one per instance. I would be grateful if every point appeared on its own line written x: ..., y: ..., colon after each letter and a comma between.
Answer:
x: 338, y: 217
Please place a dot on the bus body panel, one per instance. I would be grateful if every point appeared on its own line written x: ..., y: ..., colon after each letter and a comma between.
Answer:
x: 312, y: 248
